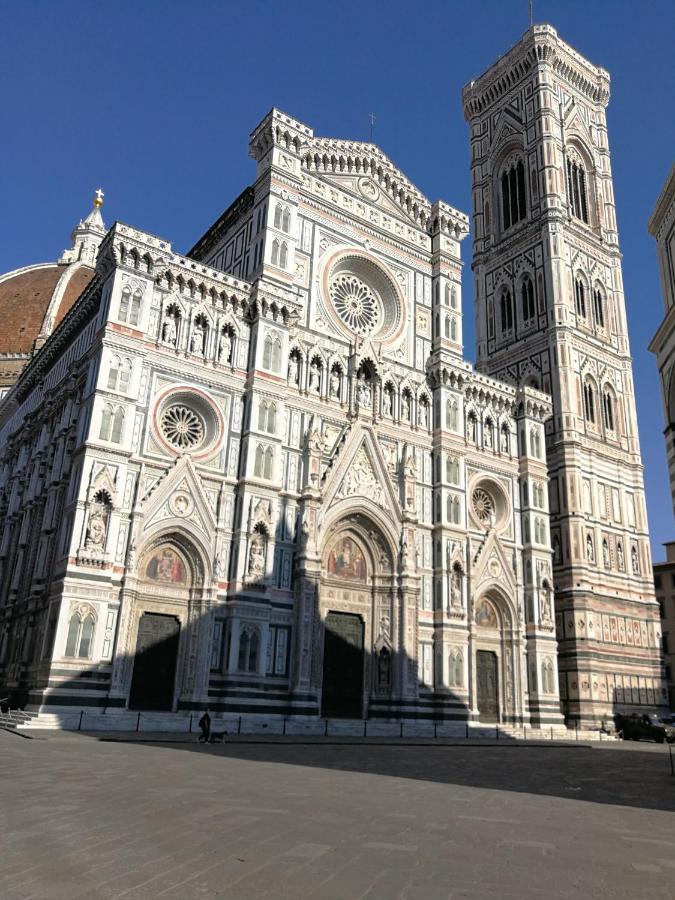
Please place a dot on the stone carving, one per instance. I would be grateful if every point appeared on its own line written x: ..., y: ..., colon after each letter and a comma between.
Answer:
x: 387, y: 402
x: 170, y: 328
x: 293, y: 370
x: 360, y: 480
x: 256, y: 557
x: 197, y: 339
x: 225, y: 347
x: 334, y: 385
x: 315, y: 377
x: 96, y: 532
x: 363, y: 391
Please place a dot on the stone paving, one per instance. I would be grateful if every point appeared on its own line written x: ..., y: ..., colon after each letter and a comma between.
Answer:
x: 82, y: 817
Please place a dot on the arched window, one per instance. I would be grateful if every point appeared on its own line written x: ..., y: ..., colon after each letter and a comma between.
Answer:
x: 513, y: 194
x: 130, y: 307
x: 117, y: 425
x: 598, y: 307
x: 286, y: 220
x: 506, y: 310
x: 449, y: 508
x: 447, y: 326
x: 608, y: 410
x: 589, y: 402
x: 249, y: 644
x: 119, y: 374
x: 535, y: 443
x: 259, y: 466
x: 277, y: 216
x: 455, y: 511
x: 80, y: 636
x: 527, y: 298
x: 269, y: 460
x: 106, y: 422
x: 547, y: 676
x: 452, y: 470
x: 580, y: 297
x: 453, y: 329
x: 451, y: 414
x: 456, y: 669
x: 576, y: 188
x: 453, y: 297
x: 267, y: 416
x: 283, y: 255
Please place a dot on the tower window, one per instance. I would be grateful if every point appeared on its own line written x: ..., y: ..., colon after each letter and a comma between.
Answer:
x: 608, y: 410
x: 589, y: 403
x: 513, y: 194
x: 576, y: 189
x: 580, y: 297
x: 598, y: 308
x: 506, y: 310
x: 527, y: 297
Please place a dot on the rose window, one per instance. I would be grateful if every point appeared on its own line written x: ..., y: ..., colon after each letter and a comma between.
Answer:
x: 483, y: 505
x: 357, y: 305
x: 182, y: 427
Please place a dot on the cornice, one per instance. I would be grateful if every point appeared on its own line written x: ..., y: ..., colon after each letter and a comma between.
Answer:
x: 664, y: 205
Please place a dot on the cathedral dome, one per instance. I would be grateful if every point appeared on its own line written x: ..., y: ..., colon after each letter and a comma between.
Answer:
x: 34, y: 299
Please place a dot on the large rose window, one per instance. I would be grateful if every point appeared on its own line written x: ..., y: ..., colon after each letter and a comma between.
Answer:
x: 483, y: 505
x: 182, y: 427
x: 356, y: 303
x: 363, y: 298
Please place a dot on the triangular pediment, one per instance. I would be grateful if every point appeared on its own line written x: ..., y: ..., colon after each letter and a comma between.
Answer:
x: 368, y: 193
x: 179, y: 499
x: 361, y: 473
x: 507, y: 129
x: 574, y: 122
x: 492, y: 565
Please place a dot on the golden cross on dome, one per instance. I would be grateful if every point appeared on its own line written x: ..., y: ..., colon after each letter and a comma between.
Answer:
x: 98, y: 198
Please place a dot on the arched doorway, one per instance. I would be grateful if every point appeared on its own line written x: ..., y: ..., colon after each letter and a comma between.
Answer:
x: 493, y: 682
x: 163, y: 597
x: 356, y: 610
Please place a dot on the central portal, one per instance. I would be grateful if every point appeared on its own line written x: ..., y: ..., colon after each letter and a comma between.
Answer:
x: 342, y: 692
x: 152, y: 686
x: 486, y: 678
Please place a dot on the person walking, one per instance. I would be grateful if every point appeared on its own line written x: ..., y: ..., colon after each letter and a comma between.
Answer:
x: 205, y: 725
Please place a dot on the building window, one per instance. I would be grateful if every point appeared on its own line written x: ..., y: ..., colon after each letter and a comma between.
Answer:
x: 535, y: 443
x: 589, y: 402
x: 130, y: 307
x: 451, y: 414
x: 608, y: 410
x: 119, y: 374
x: 80, y: 636
x: 547, y: 676
x: 579, y: 297
x: 456, y: 669
x: 506, y: 311
x: 264, y: 458
x: 513, y: 194
x: 272, y: 353
x: 112, y: 421
x: 576, y: 189
x: 452, y: 470
x: 267, y: 416
x: 277, y: 650
x: 598, y: 307
x: 527, y: 298
x: 282, y: 218
x: 249, y: 643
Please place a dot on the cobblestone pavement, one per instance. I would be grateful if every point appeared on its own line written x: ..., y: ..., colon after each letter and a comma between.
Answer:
x: 85, y: 818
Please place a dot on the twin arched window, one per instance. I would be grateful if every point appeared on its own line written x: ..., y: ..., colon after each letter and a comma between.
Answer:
x: 119, y: 374
x: 272, y: 353
x: 451, y: 414
x: 264, y: 459
x: 506, y: 310
x: 535, y: 443
x: 249, y: 646
x: 80, y: 635
x: 267, y: 416
x: 456, y: 668
x: 527, y: 298
x: 576, y: 189
x: 513, y: 194
x: 452, y: 470
x: 130, y: 307
x: 112, y: 421
x: 547, y: 676
x: 282, y: 218
x: 453, y: 510
x: 279, y: 253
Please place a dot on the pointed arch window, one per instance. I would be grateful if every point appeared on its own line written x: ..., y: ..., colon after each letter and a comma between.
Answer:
x: 275, y: 252
x: 506, y: 310
x: 267, y: 416
x: 598, y: 307
x: 283, y: 255
x: 249, y: 645
x: 527, y: 299
x: 451, y: 414
x: 456, y: 669
x: 580, y: 297
x: 80, y: 636
x: 513, y: 194
x: 119, y: 374
x: 589, y: 402
x: 130, y: 307
x: 608, y: 410
x: 576, y: 188
x: 452, y: 470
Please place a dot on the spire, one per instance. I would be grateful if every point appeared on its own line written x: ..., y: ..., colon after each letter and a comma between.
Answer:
x: 87, y: 235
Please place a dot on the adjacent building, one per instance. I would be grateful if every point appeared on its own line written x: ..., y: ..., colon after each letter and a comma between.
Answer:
x: 664, y: 585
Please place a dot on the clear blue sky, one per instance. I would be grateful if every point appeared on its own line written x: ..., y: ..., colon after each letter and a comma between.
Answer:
x: 154, y: 102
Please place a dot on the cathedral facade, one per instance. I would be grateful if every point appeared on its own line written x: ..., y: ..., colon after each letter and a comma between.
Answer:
x: 262, y: 478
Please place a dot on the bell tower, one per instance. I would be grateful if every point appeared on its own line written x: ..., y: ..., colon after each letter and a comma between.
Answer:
x: 550, y: 313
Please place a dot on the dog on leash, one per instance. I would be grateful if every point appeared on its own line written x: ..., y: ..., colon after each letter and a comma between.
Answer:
x: 217, y: 737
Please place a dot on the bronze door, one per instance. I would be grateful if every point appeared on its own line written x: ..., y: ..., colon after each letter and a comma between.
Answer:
x: 487, y: 683
x: 342, y: 692
x: 152, y: 685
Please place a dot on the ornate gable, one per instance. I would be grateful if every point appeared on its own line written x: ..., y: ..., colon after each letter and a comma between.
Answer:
x: 179, y: 499
x: 492, y: 566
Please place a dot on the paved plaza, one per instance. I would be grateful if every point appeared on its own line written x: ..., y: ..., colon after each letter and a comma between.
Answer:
x: 83, y: 817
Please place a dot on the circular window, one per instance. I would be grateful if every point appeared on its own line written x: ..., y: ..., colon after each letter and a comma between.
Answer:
x: 182, y: 427
x: 188, y: 422
x: 363, y: 299
x: 356, y: 303
x: 483, y: 505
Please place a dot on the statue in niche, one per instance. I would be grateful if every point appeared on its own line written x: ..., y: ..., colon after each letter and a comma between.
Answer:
x: 197, y: 339
x: 383, y: 669
x: 605, y: 554
x: 590, y: 552
x: 456, y: 586
x: 256, y: 556
x: 488, y: 437
x: 405, y: 407
x: 635, y: 562
x: 225, y: 346
x: 169, y: 328
x: 546, y: 605
x: 293, y: 370
x: 387, y: 404
x: 335, y: 384
x: 363, y: 392
x: 96, y: 532
x: 424, y: 415
x: 504, y: 441
x: 619, y: 555
x: 315, y: 377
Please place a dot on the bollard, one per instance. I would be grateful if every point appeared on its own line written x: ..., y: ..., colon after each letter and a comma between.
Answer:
x: 401, y: 727
x: 138, y: 723
x: 284, y: 728
x: 239, y: 726
x: 79, y: 727
x: 670, y: 751
x: 576, y: 727
x: 435, y: 735
x: 190, y: 726
x: 551, y: 732
x: 365, y: 727
x: 467, y: 731
x: 325, y: 731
